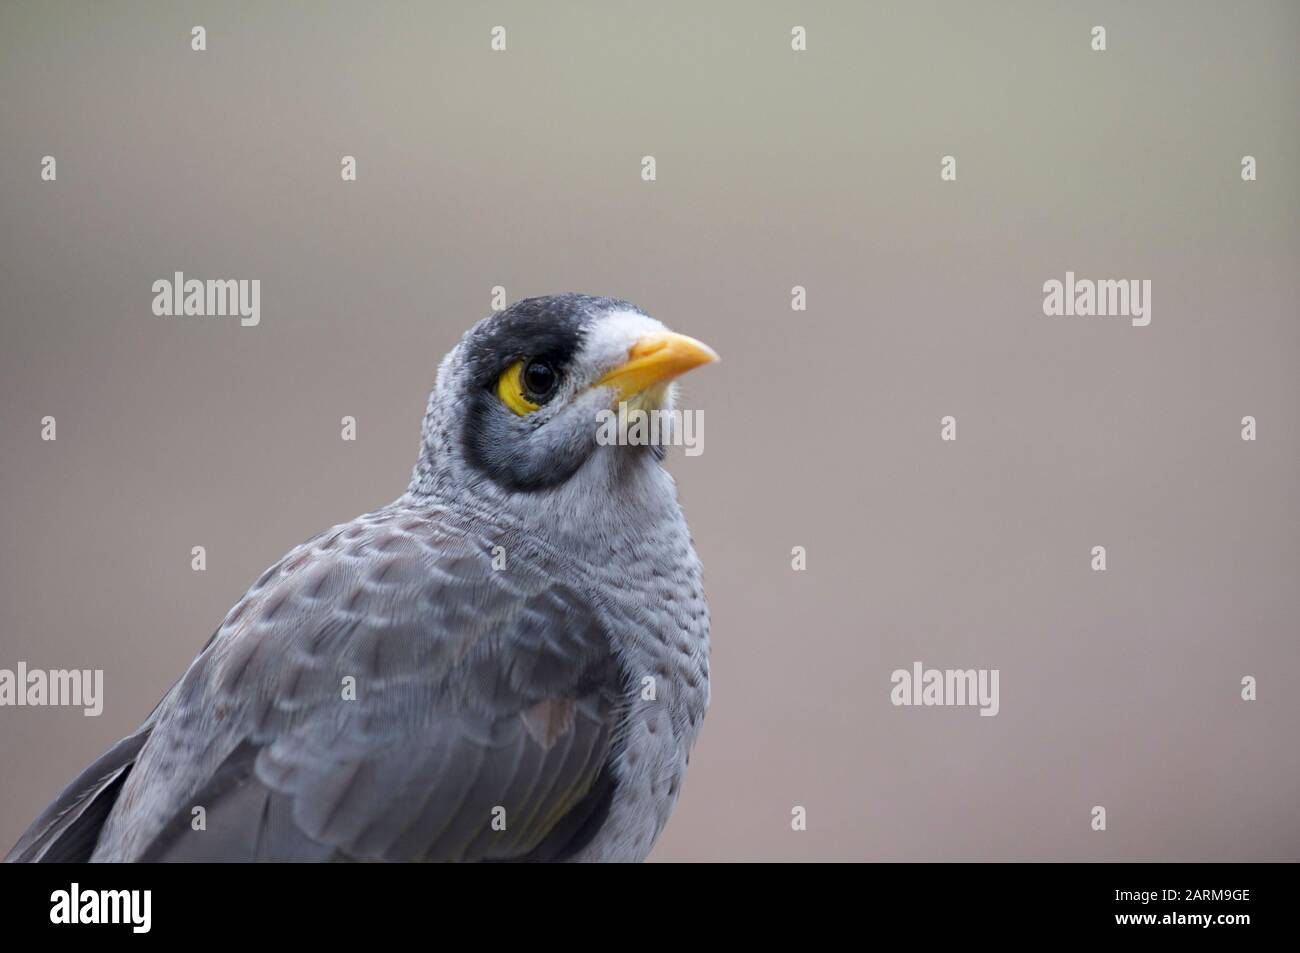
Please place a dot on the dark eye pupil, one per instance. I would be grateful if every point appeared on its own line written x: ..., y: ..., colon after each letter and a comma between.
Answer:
x: 540, y: 378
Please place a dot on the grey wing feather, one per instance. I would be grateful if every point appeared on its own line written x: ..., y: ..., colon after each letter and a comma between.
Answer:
x: 482, y: 726
x: 67, y: 830
x: 243, y: 820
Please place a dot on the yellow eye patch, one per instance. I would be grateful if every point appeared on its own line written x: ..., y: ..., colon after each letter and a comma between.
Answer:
x: 510, y: 388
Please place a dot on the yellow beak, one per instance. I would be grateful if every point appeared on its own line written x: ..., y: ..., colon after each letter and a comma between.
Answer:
x: 657, y: 359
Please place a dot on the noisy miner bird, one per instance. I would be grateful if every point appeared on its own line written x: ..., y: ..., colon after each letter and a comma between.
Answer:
x: 508, y: 662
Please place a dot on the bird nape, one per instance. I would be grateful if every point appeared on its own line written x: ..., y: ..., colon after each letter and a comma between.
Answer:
x: 509, y: 662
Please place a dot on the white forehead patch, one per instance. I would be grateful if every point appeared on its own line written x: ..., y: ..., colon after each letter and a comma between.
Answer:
x: 608, y: 340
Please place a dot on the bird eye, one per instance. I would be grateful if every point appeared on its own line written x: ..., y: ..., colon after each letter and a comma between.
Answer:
x: 525, y: 385
x: 540, y: 379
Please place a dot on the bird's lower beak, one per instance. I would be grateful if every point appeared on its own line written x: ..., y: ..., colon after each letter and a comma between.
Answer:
x: 657, y: 359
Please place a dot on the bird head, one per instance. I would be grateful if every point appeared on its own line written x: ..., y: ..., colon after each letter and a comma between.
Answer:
x: 518, y: 403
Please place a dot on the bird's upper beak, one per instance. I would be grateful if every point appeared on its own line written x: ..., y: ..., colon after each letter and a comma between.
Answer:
x: 657, y: 359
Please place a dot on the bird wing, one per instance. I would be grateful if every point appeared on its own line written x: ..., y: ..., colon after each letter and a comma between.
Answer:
x: 67, y: 830
x: 385, y: 693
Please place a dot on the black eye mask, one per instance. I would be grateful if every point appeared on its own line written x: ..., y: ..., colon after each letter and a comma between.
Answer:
x: 523, y: 452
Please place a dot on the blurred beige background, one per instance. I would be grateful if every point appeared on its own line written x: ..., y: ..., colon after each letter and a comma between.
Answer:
x: 774, y: 169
